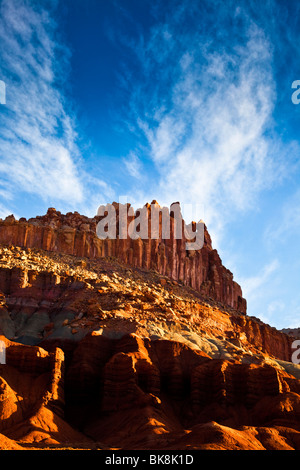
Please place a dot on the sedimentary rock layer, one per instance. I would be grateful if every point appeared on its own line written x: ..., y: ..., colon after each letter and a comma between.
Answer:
x: 40, y: 300
x: 75, y: 234
x: 137, y: 393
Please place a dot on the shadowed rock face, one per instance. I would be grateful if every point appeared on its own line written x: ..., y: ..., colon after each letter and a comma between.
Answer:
x: 138, y: 393
x: 75, y: 234
x: 106, y: 352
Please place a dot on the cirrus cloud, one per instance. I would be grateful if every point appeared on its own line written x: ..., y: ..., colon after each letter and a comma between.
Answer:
x: 205, y: 117
x: 39, y: 144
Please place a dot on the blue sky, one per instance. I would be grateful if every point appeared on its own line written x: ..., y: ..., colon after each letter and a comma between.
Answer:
x: 173, y: 100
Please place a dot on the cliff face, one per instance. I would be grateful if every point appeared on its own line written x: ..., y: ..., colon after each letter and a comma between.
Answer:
x: 142, y: 393
x: 107, y: 345
x: 74, y: 234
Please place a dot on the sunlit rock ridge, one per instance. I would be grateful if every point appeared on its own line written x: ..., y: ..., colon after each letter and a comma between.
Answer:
x: 75, y: 234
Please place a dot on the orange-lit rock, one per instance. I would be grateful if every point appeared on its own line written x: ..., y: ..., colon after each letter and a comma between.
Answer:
x: 111, y: 353
x: 75, y: 234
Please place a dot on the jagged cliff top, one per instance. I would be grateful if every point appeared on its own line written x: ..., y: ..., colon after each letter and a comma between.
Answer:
x: 74, y: 234
x: 57, y: 220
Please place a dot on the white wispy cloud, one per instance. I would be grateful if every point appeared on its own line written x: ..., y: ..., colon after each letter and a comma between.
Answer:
x: 255, y: 285
x: 133, y: 165
x: 39, y: 151
x: 208, y: 123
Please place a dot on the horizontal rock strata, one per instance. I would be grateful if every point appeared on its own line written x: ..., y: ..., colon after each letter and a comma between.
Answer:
x: 75, y: 234
x: 134, y: 344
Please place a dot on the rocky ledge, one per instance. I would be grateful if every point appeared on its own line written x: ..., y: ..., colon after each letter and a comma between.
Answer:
x: 76, y: 235
x: 103, y: 352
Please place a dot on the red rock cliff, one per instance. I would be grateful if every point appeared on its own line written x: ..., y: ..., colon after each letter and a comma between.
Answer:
x: 75, y: 234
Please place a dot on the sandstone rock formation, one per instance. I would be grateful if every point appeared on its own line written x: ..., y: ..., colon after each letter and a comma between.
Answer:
x: 142, y: 393
x: 32, y: 398
x: 49, y: 295
x: 106, y: 350
x: 75, y: 234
